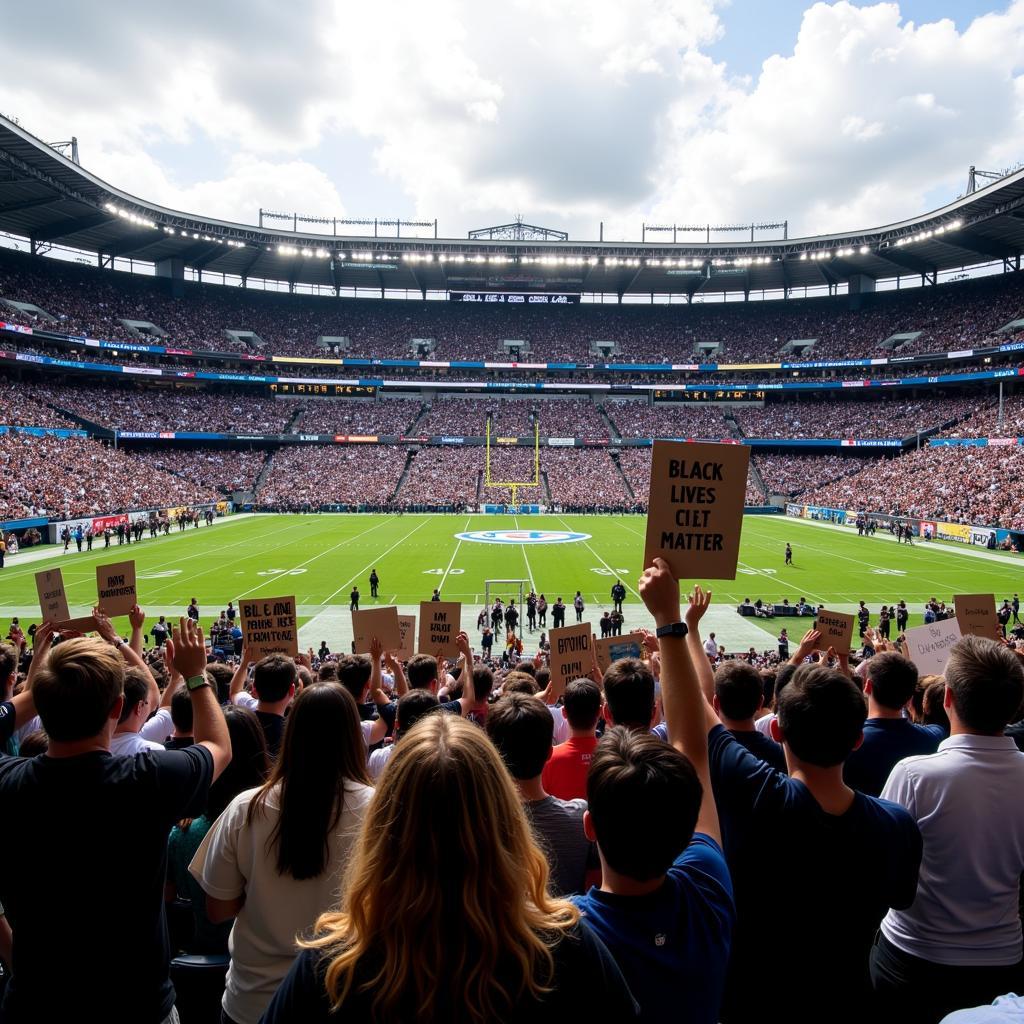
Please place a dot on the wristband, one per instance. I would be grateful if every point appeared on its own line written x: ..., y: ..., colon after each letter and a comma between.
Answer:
x: 672, y: 629
x: 196, y: 682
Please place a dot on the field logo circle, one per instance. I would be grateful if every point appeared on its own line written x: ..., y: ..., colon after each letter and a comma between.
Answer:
x: 522, y: 536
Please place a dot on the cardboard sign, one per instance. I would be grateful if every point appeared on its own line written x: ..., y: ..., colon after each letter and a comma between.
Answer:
x: 407, y: 637
x: 976, y: 613
x: 695, y: 508
x: 572, y: 655
x: 836, y: 630
x: 53, y: 602
x: 928, y: 646
x: 268, y: 626
x: 115, y: 588
x: 86, y: 624
x: 440, y: 622
x: 376, y: 624
x: 614, y: 648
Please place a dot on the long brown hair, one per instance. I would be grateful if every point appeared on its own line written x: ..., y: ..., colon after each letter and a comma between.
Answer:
x: 444, y: 886
x: 322, y: 749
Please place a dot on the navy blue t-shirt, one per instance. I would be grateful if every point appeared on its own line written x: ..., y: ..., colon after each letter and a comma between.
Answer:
x: 6, y: 721
x: 762, y: 747
x: 673, y: 944
x: 809, y: 885
x: 886, y: 741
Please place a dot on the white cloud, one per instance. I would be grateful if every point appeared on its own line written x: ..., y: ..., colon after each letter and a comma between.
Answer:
x: 568, y: 112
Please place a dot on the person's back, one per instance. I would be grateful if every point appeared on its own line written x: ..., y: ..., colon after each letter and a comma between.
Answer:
x: 83, y: 862
x: 565, y: 773
x: 835, y: 869
x: 888, y: 736
x: 962, y: 934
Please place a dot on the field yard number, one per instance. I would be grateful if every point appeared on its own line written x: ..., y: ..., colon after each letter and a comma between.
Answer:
x: 888, y: 572
x: 280, y: 572
x: 757, y: 572
x: 609, y: 572
x: 440, y: 572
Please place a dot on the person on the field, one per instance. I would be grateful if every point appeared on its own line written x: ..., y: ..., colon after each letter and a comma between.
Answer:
x: 863, y: 618
x: 883, y: 623
x: 618, y: 595
x: 616, y: 622
x: 531, y: 611
x: 88, y: 539
x: 374, y: 582
x: 558, y: 614
x: 436, y: 596
x: 192, y: 611
x: 542, y: 611
x: 497, y: 615
x: 789, y: 555
x: 511, y: 617
x: 577, y: 603
x: 353, y: 600
x: 783, y: 645
x: 605, y: 623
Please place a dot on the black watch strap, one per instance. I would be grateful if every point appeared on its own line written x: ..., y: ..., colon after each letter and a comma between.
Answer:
x: 672, y: 629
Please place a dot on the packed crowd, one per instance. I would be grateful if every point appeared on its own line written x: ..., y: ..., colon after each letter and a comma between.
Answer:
x: 308, y: 476
x: 580, y: 477
x: 986, y: 422
x: 211, y: 470
x: 887, y: 417
x: 356, y: 416
x: 91, y: 302
x: 341, y: 830
x: 20, y: 407
x: 796, y: 474
x: 440, y: 476
x: 68, y: 477
x: 983, y: 486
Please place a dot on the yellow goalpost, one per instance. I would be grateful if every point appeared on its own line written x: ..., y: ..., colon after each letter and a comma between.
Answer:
x: 514, y: 485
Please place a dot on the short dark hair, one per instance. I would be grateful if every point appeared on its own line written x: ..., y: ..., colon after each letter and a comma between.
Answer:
x: 893, y: 679
x: 821, y: 715
x: 582, y: 703
x: 782, y: 678
x: 8, y: 661
x: 634, y: 777
x: 413, y: 706
x: 629, y: 693
x: 136, y: 688
x: 421, y: 671
x: 739, y: 689
x: 483, y: 682
x: 519, y: 682
x: 354, y: 671
x: 986, y: 681
x: 35, y: 743
x: 220, y: 675
x: 522, y: 729
x: 181, y: 712
x: 77, y: 688
x: 273, y: 677
x: 327, y: 673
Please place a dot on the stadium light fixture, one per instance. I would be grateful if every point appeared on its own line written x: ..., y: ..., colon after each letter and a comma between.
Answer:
x: 864, y: 250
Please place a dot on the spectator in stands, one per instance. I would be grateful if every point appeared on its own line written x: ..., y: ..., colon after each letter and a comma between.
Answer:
x: 122, y: 804
x: 525, y: 954
x: 411, y: 707
x: 272, y: 859
x: 565, y: 773
x: 629, y: 695
x: 248, y: 770
x: 959, y: 942
x: 889, y: 684
x: 520, y: 727
x: 273, y: 687
x: 737, y: 697
x: 665, y: 905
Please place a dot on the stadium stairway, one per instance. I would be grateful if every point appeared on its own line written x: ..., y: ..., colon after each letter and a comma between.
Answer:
x: 625, y: 479
x: 291, y: 427
x: 755, y: 472
x: 260, y: 476
x: 411, y: 429
x: 735, y: 429
x: 93, y: 427
x: 607, y: 418
x: 547, y: 486
x: 409, y: 456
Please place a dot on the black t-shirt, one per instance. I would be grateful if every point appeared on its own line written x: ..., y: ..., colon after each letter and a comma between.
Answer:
x: 7, y: 722
x: 273, y: 730
x: 764, y: 748
x: 82, y: 879
x: 179, y: 742
x: 588, y: 986
x: 811, y: 883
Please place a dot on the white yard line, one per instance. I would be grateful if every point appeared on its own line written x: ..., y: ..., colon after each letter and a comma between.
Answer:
x: 451, y: 561
x: 529, y: 571
x: 600, y: 559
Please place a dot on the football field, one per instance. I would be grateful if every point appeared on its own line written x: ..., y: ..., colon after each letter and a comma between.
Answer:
x: 319, y: 558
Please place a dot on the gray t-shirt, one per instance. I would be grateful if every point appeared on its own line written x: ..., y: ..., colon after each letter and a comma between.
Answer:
x: 558, y: 829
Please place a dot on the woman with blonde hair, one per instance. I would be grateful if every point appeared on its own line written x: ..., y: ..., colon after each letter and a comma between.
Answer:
x: 445, y: 913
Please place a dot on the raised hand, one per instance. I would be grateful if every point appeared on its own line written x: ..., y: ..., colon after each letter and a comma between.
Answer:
x: 697, y: 605
x: 188, y: 653
x: 659, y: 590
x: 136, y: 617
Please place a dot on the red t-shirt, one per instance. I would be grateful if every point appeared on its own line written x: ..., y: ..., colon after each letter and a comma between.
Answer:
x: 565, y: 774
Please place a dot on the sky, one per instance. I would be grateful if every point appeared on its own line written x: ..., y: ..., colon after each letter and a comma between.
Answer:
x: 570, y: 113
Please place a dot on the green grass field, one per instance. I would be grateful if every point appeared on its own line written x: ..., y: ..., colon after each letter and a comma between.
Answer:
x: 319, y: 558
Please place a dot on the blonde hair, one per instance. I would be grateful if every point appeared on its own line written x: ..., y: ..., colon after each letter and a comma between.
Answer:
x: 445, y: 885
x: 77, y: 688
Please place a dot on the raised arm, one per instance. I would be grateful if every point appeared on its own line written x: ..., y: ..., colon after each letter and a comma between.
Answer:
x: 807, y: 645
x: 468, y: 699
x: 106, y: 630
x: 697, y: 606
x: 137, y: 618
x: 238, y: 679
x: 188, y: 652
x: 687, y: 714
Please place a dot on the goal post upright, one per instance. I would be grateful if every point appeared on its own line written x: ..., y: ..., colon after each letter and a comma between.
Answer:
x: 504, y: 589
x: 513, y: 485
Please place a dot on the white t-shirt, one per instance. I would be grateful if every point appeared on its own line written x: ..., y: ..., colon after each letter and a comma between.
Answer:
x: 234, y: 859
x: 128, y: 744
x: 561, y: 724
x: 710, y: 647
x: 379, y: 761
x: 764, y: 725
x: 159, y: 727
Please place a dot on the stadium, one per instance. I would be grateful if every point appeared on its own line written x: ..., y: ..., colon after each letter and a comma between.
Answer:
x: 360, y: 415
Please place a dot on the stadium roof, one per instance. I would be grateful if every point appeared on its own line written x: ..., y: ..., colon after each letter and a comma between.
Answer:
x: 49, y: 199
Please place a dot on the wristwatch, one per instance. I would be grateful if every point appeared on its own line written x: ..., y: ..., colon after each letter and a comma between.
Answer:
x: 196, y: 682
x: 672, y: 629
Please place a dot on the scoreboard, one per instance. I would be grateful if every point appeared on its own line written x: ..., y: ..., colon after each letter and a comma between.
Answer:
x: 323, y: 390
x: 707, y: 395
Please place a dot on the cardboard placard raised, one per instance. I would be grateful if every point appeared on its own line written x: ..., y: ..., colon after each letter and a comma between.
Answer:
x: 572, y: 655
x: 976, y: 614
x: 53, y: 602
x: 440, y: 622
x: 115, y: 588
x: 379, y: 623
x: 695, y: 508
x: 406, y: 637
x: 610, y: 649
x: 269, y: 626
x: 928, y: 646
x: 836, y: 629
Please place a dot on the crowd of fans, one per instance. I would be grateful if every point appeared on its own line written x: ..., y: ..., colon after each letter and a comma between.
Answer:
x: 638, y: 419
x: 965, y: 484
x: 356, y: 416
x: 581, y: 477
x: 19, y: 407
x: 441, y: 476
x: 211, y: 470
x: 91, y: 302
x: 69, y: 477
x: 338, y: 831
x: 986, y: 422
x: 310, y: 476
x: 797, y: 474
